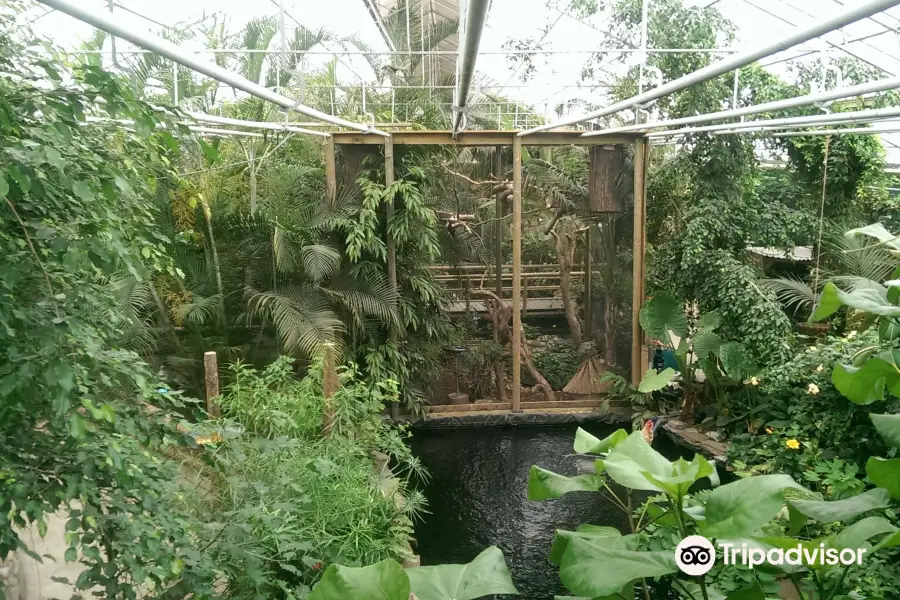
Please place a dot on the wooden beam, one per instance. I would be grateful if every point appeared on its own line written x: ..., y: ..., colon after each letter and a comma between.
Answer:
x: 485, y: 138
x: 639, y: 247
x: 330, y: 172
x: 498, y: 214
x: 211, y: 370
x: 517, y: 275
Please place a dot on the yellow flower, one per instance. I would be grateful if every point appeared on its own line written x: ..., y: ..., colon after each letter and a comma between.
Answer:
x: 792, y: 444
x: 812, y: 389
x: 820, y: 368
x: 754, y: 381
x: 851, y: 335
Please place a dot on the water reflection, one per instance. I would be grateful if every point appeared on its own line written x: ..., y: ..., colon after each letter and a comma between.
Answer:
x: 477, y: 498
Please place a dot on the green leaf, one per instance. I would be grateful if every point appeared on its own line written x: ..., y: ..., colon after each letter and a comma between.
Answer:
x: 661, y: 314
x: 706, y: 343
x: 654, y: 381
x: 828, y: 303
x: 885, y: 473
x: 843, y: 510
x: 736, y: 361
x: 77, y: 426
x: 588, y: 533
x: 71, y: 554
x: 877, y: 231
x: 585, y: 443
x: 382, y: 581
x: 866, y: 384
x: 4, y: 186
x: 628, y: 461
x: 683, y: 476
x: 209, y: 152
x: 487, y: 574
x: 710, y: 320
x: 888, y: 426
x: 547, y: 485
x: 741, y: 507
x: 82, y: 190
x: 856, y: 535
x: 598, y: 569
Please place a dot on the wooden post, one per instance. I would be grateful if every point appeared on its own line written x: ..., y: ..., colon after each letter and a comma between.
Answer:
x: 498, y: 231
x: 517, y: 276
x: 640, y: 242
x: 389, y: 242
x: 330, y: 172
x: 588, y: 307
x: 524, y: 295
x: 330, y: 385
x: 211, y: 369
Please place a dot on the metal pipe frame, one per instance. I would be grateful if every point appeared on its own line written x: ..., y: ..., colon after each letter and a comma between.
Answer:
x: 849, y: 130
x: 859, y: 116
x: 187, y: 58
x: 272, y: 126
x: 886, y: 120
x: 729, y: 64
x: 476, y: 12
x: 848, y: 92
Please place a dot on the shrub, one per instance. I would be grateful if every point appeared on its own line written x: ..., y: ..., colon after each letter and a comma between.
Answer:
x: 558, y: 361
x: 798, y: 401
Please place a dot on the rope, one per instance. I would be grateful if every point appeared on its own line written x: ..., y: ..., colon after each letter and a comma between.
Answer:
x: 822, y: 211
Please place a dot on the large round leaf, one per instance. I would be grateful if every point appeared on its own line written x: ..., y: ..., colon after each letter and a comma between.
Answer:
x: 866, y: 384
x: 660, y: 315
x: 382, y: 581
x: 599, y: 568
x: 885, y: 473
x: 547, y: 485
x: 588, y: 533
x: 736, y: 361
x: 484, y: 576
x: 585, y: 443
x: 889, y: 428
x: 741, y: 507
x: 843, y: 510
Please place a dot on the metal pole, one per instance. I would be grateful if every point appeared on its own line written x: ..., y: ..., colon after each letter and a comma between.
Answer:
x: 476, y: 12
x: 645, y: 9
x: 809, y: 99
x: 204, y: 118
x: 517, y: 276
x: 167, y: 49
x: 390, y: 242
x: 849, y: 130
x: 637, y: 272
x: 742, y: 59
x: 859, y: 116
x: 737, y: 85
x: 884, y: 123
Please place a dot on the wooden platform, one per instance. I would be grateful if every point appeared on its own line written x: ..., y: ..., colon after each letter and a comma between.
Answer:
x: 689, y: 436
x: 482, y: 414
x: 542, y: 306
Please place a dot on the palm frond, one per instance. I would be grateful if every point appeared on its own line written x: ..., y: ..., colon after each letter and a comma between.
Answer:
x: 200, y: 310
x: 302, y: 318
x: 792, y: 292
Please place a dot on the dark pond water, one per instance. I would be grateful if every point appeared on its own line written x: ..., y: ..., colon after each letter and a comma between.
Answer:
x: 477, y: 498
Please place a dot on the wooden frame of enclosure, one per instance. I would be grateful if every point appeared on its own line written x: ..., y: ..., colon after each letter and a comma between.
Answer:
x: 510, y: 138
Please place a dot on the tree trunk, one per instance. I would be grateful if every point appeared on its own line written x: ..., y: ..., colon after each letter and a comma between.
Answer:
x: 501, y: 314
x: 609, y: 310
x: 565, y: 254
x: 499, y: 375
x: 164, y: 316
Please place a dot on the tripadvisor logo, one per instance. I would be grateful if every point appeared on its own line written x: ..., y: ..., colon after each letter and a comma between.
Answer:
x: 695, y: 555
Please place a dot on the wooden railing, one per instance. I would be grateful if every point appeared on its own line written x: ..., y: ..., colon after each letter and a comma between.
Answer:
x: 539, y: 283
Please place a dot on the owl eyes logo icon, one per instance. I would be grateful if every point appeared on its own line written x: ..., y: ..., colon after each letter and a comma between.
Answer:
x: 695, y: 555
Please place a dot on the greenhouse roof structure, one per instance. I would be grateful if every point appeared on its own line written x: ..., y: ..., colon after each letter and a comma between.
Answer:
x: 520, y: 63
